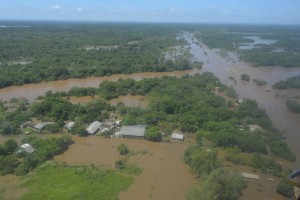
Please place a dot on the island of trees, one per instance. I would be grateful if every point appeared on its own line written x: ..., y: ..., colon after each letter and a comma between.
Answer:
x: 292, y: 82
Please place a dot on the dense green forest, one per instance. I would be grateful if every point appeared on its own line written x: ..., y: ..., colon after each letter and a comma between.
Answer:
x: 52, y: 51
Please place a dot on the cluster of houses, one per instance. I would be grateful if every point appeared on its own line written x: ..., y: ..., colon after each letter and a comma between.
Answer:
x: 134, y: 131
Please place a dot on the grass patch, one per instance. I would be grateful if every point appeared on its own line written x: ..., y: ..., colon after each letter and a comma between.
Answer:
x: 132, y: 169
x: 55, y: 181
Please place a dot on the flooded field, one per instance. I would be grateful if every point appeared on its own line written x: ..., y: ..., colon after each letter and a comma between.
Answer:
x: 164, y: 174
x: 256, y: 42
x: 9, y: 187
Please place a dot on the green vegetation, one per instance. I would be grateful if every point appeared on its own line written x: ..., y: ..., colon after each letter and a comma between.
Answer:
x: 81, y: 50
x: 217, y: 37
x: 132, y: 169
x: 284, y: 52
x: 187, y: 103
x: 216, y: 183
x: 123, y: 149
x: 12, y: 115
x: 259, y: 82
x: 153, y: 134
x: 47, y: 51
x: 202, y: 161
x: 45, y: 149
x: 120, y: 164
x: 266, y: 165
x: 219, y: 184
x: 293, y: 106
x: 245, y: 77
x: 292, y: 82
x: 284, y: 188
x: 55, y: 181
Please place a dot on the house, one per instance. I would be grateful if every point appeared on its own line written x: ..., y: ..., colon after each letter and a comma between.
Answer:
x: 94, y: 127
x: 69, y: 125
x: 136, y: 131
x: 26, y: 148
x: 177, y: 136
x: 40, y: 126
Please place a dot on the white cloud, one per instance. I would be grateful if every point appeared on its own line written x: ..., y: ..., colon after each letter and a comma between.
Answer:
x: 56, y: 8
x: 79, y: 9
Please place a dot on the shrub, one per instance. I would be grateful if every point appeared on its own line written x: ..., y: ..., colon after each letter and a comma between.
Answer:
x: 123, y: 149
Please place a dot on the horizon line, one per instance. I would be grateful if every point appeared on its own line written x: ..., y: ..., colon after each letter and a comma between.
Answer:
x: 147, y: 22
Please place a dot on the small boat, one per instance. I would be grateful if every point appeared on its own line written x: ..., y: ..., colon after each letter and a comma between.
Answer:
x: 267, y: 90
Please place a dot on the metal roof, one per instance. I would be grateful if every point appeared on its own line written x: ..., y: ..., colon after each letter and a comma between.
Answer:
x: 41, y: 125
x: 251, y: 176
x: 27, y: 148
x: 94, y: 127
x: 70, y: 125
x: 135, y: 131
x: 177, y: 136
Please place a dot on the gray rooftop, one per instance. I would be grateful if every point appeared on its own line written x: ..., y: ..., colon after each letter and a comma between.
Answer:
x: 94, y: 127
x: 41, y: 125
x: 135, y: 131
x: 27, y: 148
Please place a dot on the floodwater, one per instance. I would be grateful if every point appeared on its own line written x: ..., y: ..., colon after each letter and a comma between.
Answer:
x: 164, y: 174
x: 256, y: 41
x: 32, y: 91
x: 275, y: 107
x: 9, y: 187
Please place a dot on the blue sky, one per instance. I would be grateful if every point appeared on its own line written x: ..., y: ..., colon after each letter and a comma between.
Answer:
x: 193, y: 11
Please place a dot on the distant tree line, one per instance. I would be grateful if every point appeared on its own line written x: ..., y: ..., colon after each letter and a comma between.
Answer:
x: 55, y: 53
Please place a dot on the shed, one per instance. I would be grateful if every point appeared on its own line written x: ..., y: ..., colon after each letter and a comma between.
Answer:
x: 177, y: 136
x: 250, y: 176
x: 70, y: 125
x: 41, y: 126
x: 136, y: 131
x: 94, y: 127
x: 27, y: 148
